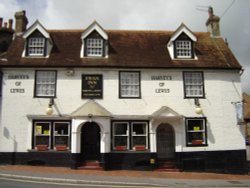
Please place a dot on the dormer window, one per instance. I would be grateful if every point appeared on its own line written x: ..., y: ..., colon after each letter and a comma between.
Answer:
x: 94, y: 42
x: 36, y: 46
x: 38, y: 43
x: 94, y: 47
x: 183, y: 47
x: 181, y: 44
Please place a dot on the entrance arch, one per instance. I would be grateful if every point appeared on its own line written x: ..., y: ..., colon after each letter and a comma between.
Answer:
x: 165, y: 141
x: 90, y: 141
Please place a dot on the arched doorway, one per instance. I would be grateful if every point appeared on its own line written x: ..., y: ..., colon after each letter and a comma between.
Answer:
x: 90, y: 141
x: 165, y: 141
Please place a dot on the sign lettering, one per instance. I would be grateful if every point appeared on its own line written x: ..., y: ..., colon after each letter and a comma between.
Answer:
x: 92, y: 86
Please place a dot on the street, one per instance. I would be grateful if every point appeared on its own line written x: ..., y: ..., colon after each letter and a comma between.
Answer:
x: 14, y: 183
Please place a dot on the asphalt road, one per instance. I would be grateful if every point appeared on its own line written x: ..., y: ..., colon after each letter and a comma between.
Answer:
x: 18, y: 183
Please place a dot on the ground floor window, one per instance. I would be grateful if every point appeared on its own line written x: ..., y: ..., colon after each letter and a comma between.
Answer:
x: 51, y: 135
x: 130, y: 135
x: 196, y: 132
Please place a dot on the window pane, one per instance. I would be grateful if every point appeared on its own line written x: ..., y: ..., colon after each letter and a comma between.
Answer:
x: 61, y: 129
x: 139, y: 129
x: 42, y: 129
x: 193, y: 84
x: 139, y: 140
x: 42, y: 140
x: 121, y: 141
x: 94, y: 47
x: 130, y: 84
x: 183, y: 49
x: 42, y: 134
x: 195, y: 125
x: 45, y: 83
x: 196, y: 132
x: 120, y: 128
x: 36, y: 46
x: 61, y: 140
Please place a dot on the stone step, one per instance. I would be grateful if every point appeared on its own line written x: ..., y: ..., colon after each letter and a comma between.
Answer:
x: 90, y: 165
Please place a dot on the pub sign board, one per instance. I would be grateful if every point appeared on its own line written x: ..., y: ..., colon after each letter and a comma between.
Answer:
x: 92, y: 86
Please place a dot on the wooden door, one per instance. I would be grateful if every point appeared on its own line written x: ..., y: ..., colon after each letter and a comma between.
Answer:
x: 90, y: 141
x: 165, y: 142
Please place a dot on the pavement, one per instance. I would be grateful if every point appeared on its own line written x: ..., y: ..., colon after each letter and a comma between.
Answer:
x: 122, y: 177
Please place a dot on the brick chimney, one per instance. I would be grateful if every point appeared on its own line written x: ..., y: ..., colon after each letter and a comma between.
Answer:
x: 6, y: 34
x: 21, y: 22
x: 212, y: 23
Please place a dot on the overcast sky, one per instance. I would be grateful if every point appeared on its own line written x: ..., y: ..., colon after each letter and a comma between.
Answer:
x: 143, y: 15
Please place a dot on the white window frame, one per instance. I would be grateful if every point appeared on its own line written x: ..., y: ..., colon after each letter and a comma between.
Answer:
x: 36, y: 46
x: 94, y: 47
x: 42, y: 134
x: 56, y: 134
x: 193, y: 84
x: 183, y: 49
x: 129, y: 84
x: 45, y: 86
x: 114, y: 124
x: 202, y: 131
x: 140, y: 135
x: 129, y: 134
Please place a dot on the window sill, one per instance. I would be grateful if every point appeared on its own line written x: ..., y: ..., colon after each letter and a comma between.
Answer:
x: 131, y: 151
x: 49, y: 151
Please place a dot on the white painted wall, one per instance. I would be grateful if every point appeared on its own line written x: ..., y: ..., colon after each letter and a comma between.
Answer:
x: 221, y: 88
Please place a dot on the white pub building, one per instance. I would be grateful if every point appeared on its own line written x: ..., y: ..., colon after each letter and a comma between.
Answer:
x: 121, y: 99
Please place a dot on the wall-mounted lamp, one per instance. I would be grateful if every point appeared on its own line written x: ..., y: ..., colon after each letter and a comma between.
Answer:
x: 70, y: 72
x: 198, y: 109
x: 90, y: 117
x: 49, y: 110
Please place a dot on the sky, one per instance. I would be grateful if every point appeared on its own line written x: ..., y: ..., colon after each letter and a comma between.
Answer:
x: 143, y: 15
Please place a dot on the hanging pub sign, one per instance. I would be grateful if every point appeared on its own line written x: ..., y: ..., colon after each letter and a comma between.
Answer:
x: 92, y: 86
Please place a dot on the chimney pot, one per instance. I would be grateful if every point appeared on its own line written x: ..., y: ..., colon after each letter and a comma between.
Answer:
x: 1, y: 22
x: 21, y: 21
x: 10, y: 23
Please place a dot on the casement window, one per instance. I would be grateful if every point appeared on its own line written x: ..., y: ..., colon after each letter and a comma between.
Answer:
x: 129, y: 84
x: 196, y: 132
x: 183, y: 49
x: 130, y: 135
x: 51, y: 135
x: 193, y: 84
x: 36, y: 46
x: 45, y: 83
x: 94, y: 47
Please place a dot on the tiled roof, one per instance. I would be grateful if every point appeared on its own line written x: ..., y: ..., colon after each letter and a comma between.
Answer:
x: 128, y: 49
x: 246, y: 106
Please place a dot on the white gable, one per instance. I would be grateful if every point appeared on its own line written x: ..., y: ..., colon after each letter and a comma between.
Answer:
x: 36, y: 26
x: 95, y: 27
x: 167, y: 112
x: 182, y: 29
x: 91, y: 108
